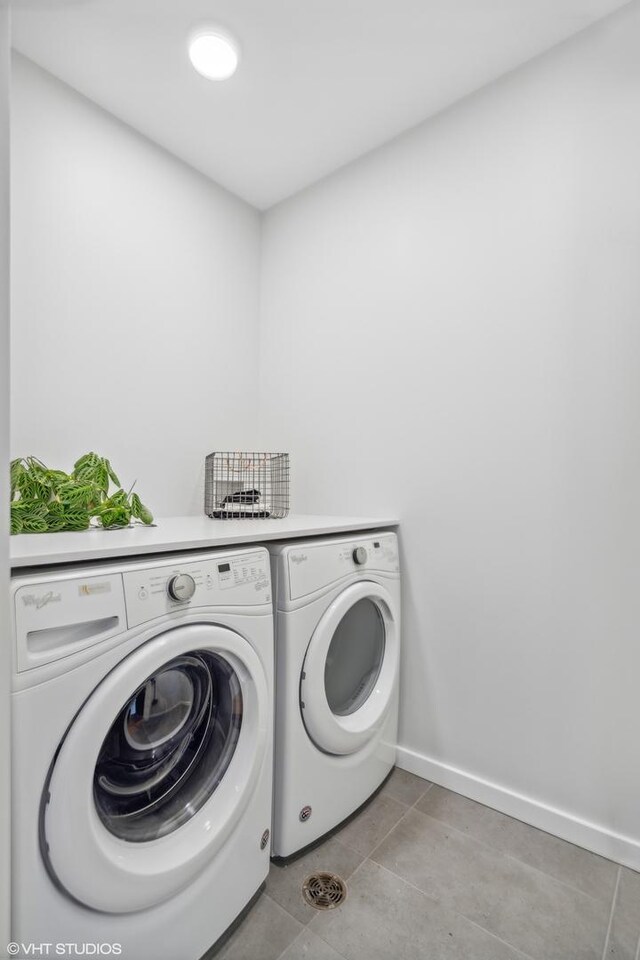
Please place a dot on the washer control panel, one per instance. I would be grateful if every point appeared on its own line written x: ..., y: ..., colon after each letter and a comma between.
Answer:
x: 233, y: 580
x: 314, y: 566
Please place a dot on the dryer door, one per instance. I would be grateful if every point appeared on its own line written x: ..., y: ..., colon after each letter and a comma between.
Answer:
x: 350, y: 669
x: 157, y: 768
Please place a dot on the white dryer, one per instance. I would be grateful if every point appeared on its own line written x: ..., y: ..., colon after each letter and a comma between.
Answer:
x: 142, y: 753
x: 337, y: 665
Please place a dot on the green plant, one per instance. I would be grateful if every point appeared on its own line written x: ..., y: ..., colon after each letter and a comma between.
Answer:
x: 46, y: 501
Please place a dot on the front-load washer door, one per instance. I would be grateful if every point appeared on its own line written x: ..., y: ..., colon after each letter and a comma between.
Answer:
x: 157, y: 768
x: 350, y: 669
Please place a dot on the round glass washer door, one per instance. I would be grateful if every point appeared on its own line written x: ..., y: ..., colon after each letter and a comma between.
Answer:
x: 157, y: 768
x: 350, y: 669
x: 169, y: 747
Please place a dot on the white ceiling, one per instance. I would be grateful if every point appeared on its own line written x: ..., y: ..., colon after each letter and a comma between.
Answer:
x: 320, y: 82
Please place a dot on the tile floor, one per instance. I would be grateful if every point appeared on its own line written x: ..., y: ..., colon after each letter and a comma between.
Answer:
x: 433, y: 875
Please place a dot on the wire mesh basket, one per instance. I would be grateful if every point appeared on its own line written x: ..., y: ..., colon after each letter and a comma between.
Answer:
x: 246, y: 486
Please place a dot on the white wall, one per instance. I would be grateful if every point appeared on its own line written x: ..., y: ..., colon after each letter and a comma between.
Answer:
x: 134, y: 299
x: 5, y: 779
x: 450, y: 332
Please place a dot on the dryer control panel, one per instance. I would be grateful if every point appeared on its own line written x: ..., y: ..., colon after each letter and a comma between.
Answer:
x: 240, y: 580
x: 314, y: 566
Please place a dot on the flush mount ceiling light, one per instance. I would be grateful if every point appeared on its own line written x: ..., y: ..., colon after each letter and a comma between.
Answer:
x: 214, y: 53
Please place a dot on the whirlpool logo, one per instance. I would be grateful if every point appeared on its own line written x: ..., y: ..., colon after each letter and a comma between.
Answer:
x: 298, y: 557
x: 32, y: 600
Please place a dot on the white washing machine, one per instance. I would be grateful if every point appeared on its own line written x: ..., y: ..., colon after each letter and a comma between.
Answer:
x: 337, y: 664
x: 142, y: 753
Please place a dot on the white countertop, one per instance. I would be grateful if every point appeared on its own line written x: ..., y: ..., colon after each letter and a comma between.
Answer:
x: 175, y: 533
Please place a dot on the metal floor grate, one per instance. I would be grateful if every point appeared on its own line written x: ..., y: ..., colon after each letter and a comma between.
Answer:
x: 324, y: 891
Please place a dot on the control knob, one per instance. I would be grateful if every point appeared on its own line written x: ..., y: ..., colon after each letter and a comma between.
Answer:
x: 181, y: 587
x: 360, y: 555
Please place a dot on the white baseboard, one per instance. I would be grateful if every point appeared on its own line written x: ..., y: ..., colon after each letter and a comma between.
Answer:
x: 560, y: 823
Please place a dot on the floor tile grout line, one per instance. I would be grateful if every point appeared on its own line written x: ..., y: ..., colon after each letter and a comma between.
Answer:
x: 495, y: 936
x: 406, y: 811
x: 452, y: 910
x: 319, y: 936
x: 404, y: 803
x: 421, y: 797
x: 611, y: 913
x: 509, y: 856
x: 397, y: 876
x: 365, y: 856
x: 409, y: 808
x: 288, y: 912
x: 302, y: 925
x: 222, y: 952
